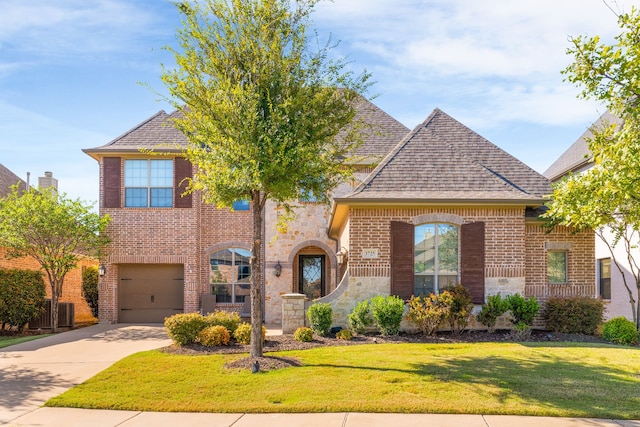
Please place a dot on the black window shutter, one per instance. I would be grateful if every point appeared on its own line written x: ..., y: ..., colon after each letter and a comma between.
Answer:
x: 402, y: 259
x: 472, y: 253
x: 111, y: 182
x: 183, y: 171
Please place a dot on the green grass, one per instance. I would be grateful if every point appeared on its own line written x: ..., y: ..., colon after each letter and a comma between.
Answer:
x: 551, y: 379
x: 6, y: 341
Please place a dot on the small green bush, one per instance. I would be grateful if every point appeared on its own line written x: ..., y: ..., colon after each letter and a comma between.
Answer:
x: 427, y: 312
x: 577, y: 315
x: 344, y: 334
x: 183, y: 328
x: 303, y: 334
x: 460, y: 308
x: 213, y: 336
x: 21, y: 296
x: 228, y: 319
x: 523, y: 313
x: 320, y: 318
x: 387, y: 312
x: 360, y: 318
x: 242, y: 334
x: 90, y: 288
x: 495, y: 307
x: 620, y: 330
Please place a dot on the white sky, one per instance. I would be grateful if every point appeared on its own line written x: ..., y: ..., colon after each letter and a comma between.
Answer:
x: 69, y: 71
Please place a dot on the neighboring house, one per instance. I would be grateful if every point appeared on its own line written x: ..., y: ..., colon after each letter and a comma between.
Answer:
x: 609, y: 280
x: 426, y: 209
x: 72, y: 290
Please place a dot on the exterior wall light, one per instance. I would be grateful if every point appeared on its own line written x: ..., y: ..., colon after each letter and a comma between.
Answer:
x: 277, y: 269
x: 342, y: 255
x: 102, y: 270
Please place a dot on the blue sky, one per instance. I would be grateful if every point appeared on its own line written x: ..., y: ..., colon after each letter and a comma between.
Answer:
x: 70, y: 71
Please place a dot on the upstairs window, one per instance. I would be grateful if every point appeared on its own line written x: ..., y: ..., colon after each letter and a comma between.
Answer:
x: 241, y: 205
x: 148, y: 183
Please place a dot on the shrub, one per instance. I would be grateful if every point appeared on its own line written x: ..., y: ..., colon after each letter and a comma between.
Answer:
x: 228, y: 319
x: 320, y: 318
x: 620, y: 330
x: 495, y: 307
x: 361, y: 318
x: 21, y: 296
x: 242, y: 334
x: 90, y: 288
x: 183, y: 328
x: 578, y: 315
x: 344, y: 334
x: 303, y: 334
x: 460, y: 308
x: 387, y: 312
x: 212, y: 336
x: 523, y: 313
x: 427, y: 312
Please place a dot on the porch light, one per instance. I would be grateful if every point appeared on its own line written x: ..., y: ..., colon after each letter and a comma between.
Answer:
x: 342, y: 255
x: 277, y: 269
x: 102, y: 270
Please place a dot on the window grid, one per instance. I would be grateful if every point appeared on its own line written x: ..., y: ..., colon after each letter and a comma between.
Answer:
x: 436, y: 262
x: 557, y: 267
x: 148, y: 183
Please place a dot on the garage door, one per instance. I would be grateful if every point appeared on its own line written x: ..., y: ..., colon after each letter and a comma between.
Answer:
x: 147, y: 293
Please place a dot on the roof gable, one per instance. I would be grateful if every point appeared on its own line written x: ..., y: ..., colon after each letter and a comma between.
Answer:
x: 7, y: 179
x: 441, y: 159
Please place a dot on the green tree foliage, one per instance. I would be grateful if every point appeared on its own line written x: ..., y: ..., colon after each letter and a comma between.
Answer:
x: 90, y: 288
x: 608, y: 195
x: 21, y: 297
x: 52, y: 229
x: 266, y: 116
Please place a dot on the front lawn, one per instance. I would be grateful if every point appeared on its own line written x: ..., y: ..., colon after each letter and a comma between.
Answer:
x: 551, y: 379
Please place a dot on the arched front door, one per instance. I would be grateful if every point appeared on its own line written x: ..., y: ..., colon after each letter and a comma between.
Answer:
x: 311, y: 276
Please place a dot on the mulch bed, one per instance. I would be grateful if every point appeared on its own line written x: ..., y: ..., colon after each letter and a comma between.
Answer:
x: 276, y: 343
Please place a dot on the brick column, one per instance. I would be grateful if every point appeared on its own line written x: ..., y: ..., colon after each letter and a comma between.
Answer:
x: 293, y: 314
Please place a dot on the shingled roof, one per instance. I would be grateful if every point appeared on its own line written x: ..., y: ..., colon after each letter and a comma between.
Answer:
x: 578, y: 157
x: 158, y: 131
x: 7, y: 179
x: 443, y: 160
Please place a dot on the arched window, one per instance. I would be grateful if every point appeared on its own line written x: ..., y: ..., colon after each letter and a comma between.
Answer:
x: 230, y: 275
x: 436, y: 257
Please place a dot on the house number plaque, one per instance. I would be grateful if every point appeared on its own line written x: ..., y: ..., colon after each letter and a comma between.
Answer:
x: 370, y: 253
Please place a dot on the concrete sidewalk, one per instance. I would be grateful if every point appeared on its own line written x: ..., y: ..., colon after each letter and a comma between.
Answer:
x: 67, y: 417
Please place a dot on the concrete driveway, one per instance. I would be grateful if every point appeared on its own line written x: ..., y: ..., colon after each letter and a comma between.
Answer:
x: 33, y: 372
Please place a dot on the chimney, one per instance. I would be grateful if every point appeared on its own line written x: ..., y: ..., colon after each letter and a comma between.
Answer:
x: 48, y: 181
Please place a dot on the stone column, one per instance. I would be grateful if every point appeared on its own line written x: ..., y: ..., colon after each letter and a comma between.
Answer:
x: 293, y: 314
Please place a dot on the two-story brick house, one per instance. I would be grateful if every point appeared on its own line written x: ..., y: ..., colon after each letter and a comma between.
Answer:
x: 427, y: 209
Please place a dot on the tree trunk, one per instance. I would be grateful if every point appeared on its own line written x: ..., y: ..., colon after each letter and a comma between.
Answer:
x: 256, y: 277
x: 54, y: 306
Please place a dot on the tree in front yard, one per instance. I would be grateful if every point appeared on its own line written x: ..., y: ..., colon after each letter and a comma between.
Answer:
x: 266, y: 117
x: 52, y: 229
x: 607, y: 196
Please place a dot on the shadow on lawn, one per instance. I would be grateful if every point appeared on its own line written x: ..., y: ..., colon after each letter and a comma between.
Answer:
x: 543, y: 379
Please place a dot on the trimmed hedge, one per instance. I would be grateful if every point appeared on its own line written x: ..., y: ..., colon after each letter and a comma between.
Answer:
x: 578, y: 315
x: 242, y: 334
x: 21, y: 296
x: 620, y: 330
x: 183, y: 328
x: 320, y: 318
x: 90, y: 288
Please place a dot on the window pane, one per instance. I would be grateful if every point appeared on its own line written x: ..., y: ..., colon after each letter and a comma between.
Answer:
x: 241, y: 205
x: 135, y: 198
x: 447, y: 250
x: 557, y: 267
x: 161, y: 197
x: 424, y: 249
x: 605, y: 278
x: 161, y: 173
x: 230, y: 275
x: 136, y: 173
x: 424, y: 285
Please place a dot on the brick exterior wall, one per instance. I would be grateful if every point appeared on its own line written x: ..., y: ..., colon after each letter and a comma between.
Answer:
x: 72, y: 288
